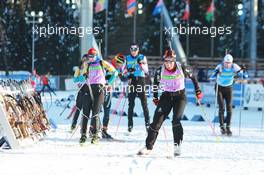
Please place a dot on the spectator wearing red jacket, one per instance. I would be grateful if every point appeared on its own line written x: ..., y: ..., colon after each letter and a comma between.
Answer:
x: 45, y: 83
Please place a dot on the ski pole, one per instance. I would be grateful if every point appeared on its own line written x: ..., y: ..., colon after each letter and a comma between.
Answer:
x: 262, y: 120
x: 216, y: 95
x: 117, y: 105
x: 118, y: 102
x: 74, y: 108
x: 121, y: 114
x: 209, y: 122
x: 240, y: 108
x: 67, y: 106
x: 167, y: 142
x: 206, y: 117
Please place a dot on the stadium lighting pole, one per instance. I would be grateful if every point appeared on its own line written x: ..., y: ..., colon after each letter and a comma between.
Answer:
x: 253, y: 33
x: 33, y: 18
x: 138, y: 11
x: 241, y: 13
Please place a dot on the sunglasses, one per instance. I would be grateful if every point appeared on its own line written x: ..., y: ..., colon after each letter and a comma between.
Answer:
x: 133, y: 49
x: 91, y: 56
x: 168, y: 61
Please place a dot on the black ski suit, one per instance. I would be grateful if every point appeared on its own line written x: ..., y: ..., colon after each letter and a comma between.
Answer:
x: 137, y: 68
x: 225, y: 94
x: 94, y: 105
x: 95, y: 99
x: 225, y: 90
x: 79, y: 104
x: 134, y: 83
x: 169, y: 100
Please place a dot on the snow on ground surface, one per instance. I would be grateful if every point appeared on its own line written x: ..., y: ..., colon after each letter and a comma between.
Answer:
x: 202, y: 151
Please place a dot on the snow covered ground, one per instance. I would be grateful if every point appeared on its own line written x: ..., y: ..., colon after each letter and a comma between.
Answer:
x: 202, y: 152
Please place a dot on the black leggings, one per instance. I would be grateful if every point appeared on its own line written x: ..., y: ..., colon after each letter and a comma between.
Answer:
x: 79, y: 103
x: 107, y: 106
x: 134, y: 90
x: 93, y: 105
x: 168, y: 101
x: 225, y: 94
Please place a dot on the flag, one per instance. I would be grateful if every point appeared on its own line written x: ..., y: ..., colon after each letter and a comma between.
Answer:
x: 158, y: 8
x: 131, y: 7
x: 186, y: 14
x: 101, y: 5
x: 210, y: 12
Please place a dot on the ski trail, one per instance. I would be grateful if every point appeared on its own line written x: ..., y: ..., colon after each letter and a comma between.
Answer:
x: 131, y: 169
x: 147, y: 165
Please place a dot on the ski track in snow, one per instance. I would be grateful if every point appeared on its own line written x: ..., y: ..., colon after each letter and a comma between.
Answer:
x: 202, y: 152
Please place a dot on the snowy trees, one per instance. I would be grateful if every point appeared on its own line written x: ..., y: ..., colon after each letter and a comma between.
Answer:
x: 59, y: 53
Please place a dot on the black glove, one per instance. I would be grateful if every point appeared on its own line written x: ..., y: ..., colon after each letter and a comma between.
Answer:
x: 122, y: 78
x: 85, y: 75
x: 131, y: 70
x: 131, y: 76
x: 107, y: 77
x: 218, y: 72
x: 139, y: 61
x: 243, y: 67
x: 156, y: 101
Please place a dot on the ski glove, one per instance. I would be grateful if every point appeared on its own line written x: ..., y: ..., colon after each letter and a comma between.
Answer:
x: 131, y: 70
x: 214, y: 76
x: 199, y: 95
x: 243, y: 67
x: 108, y: 88
x: 156, y: 101
x: 130, y: 76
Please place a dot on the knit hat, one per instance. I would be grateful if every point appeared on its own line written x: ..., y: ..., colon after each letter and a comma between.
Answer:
x: 169, y: 55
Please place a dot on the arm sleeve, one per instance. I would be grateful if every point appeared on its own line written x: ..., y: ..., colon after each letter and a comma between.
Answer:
x: 123, y: 73
x: 112, y: 71
x: 237, y: 69
x: 144, y: 64
x: 187, y: 70
x: 215, y: 72
x: 78, y: 77
x: 240, y: 72
x: 156, y: 82
x: 84, y: 70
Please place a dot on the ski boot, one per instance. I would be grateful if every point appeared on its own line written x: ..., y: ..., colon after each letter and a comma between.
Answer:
x: 95, y: 139
x: 228, y: 131
x: 83, y: 139
x: 91, y: 132
x: 223, y: 130
x: 144, y: 151
x: 130, y: 128
x: 105, y: 135
x: 73, y: 127
x: 177, y: 150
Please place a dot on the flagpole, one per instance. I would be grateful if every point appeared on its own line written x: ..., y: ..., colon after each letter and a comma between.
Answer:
x: 187, y: 40
x: 106, y: 31
x: 161, y: 33
x: 212, y: 42
x: 135, y: 25
x: 212, y: 38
